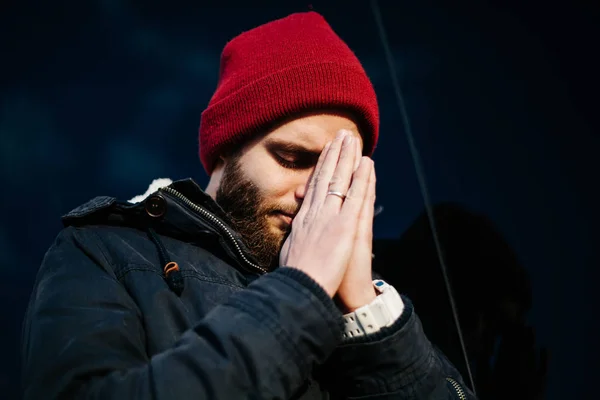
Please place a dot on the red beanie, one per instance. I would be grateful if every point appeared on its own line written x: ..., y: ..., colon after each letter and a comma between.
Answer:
x: 280, y: 69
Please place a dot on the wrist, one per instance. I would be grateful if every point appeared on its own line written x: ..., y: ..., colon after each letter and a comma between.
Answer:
x: 382, y: 312
x: 359, y: 299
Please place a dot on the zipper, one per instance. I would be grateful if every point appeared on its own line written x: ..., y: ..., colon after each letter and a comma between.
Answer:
x: 219, y: 224
x: 457, y: 388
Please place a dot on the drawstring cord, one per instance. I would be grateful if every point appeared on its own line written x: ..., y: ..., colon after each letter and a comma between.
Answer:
x: 421, y: 178
x: 170, y: 268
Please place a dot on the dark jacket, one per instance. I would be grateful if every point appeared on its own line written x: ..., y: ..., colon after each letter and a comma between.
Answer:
x: 104, y: 322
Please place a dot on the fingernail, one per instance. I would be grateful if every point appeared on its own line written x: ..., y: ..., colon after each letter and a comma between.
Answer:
x: 348, y: 140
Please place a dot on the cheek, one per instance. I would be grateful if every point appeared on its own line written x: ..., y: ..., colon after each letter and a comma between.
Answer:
x: 271, y: 179
x: 277, y: 185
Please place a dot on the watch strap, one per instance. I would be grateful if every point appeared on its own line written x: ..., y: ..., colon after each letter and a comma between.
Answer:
x: 381, y: 312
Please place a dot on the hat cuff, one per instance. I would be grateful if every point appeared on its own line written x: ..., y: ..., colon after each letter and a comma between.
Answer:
x: 313, y: 86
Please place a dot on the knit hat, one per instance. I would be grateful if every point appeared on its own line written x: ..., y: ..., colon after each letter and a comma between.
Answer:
x: 285, y: 67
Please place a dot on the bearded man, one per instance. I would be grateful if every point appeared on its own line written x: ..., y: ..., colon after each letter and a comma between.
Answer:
x: 259, y: 287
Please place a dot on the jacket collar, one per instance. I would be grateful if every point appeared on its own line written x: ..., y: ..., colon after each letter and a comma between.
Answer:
x: 187, y: 187
x: 186, y: 216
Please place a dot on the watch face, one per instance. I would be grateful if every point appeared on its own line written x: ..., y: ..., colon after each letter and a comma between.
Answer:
x: 379, y: 284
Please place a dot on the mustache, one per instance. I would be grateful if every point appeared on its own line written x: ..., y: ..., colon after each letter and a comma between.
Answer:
x: 286, y: 211
x: 293, y: 211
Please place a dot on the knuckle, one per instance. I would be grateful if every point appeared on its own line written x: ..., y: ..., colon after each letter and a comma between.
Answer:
x: 317, y: 177
x: 307, y: 218
x: 321, y: 176
x: 351, y: 195
x: 335, y: 179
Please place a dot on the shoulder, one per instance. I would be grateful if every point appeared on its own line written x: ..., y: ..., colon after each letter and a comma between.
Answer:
x: 95, y: 246
x: 89, y: 207
x: 104, y: 228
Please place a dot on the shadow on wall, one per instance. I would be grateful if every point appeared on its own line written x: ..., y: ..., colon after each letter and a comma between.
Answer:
x: 492, y: 292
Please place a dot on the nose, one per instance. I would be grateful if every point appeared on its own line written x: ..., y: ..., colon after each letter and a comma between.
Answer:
x: 300, y: 191
x: 302, y: 186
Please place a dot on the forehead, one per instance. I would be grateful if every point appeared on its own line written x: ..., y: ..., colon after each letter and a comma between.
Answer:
x: 312, y: 131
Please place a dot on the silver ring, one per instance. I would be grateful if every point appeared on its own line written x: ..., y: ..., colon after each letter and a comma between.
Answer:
x: 338, y: 194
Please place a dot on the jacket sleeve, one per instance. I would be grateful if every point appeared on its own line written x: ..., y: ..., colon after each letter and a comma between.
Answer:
x: 397, y: 362
x: 83, y: 336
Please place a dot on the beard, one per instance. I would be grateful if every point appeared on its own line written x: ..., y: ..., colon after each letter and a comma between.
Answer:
x: 249, y: 213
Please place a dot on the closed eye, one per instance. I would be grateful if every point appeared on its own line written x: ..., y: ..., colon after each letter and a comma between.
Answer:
x: 292, y: 155
x: 294, y: 163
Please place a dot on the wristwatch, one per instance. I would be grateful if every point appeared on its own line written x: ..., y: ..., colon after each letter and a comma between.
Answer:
x: 381, y: 312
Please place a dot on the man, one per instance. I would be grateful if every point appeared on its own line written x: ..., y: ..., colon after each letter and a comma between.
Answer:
x: 261, y: 286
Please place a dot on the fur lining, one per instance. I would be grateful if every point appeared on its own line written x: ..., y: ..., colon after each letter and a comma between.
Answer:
x: 154, y: 186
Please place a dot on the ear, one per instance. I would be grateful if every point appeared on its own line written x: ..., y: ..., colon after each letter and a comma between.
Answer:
x: 215, y: 178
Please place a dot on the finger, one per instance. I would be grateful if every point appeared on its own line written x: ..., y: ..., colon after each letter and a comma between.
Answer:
x: 358, y: 190
x: 326, y: 171
x: 313, y: 177
x: 369, y: 201
x: 357, y: 156
x: 340, y: 180
x: 364, y: 232
x: 320, y: 176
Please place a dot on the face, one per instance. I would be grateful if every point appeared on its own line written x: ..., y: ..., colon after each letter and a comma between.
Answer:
x: 262, y: 186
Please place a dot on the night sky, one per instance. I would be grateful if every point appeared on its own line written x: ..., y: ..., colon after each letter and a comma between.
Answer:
x: 101, y: 97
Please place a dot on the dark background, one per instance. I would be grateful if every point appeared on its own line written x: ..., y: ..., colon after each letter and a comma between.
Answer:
x: 101, y: 97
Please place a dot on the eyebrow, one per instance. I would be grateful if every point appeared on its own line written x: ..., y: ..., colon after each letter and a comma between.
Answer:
x: 290, y: 147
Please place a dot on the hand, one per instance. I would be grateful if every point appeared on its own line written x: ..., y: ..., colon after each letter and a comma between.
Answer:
x: 323, y: 231
x: 356, y: 289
